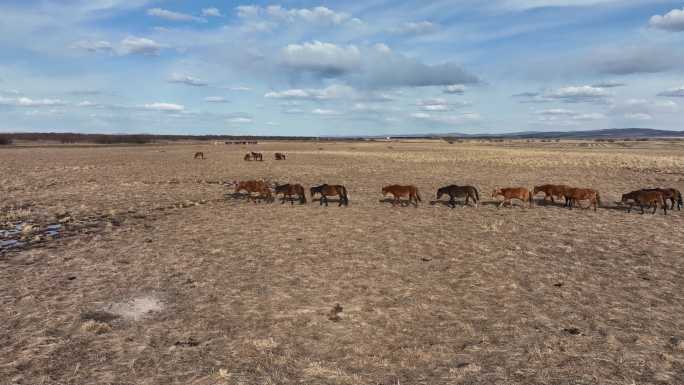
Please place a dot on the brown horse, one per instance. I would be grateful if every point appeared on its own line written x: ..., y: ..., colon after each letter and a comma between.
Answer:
x: 280, y: 156
x: 257, y: 156
x: 248, y: 157
x: 645, y: 198
x: 261, y: 188
x: 520, y: 193
x: 326, y: 190
x: 399, y: 191
x: 550, y: 191
x: 453, y: 191
x: 199, y: 155
x: 290, y: 191
x: 574, y: 195
x: 670, y: 194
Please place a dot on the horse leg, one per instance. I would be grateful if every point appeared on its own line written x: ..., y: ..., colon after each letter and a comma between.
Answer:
x: 452, y: 201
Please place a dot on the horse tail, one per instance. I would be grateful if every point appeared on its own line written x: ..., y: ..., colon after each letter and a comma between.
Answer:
x: 345, y: 197
x: 418, y: 195
x: 477, y: 195
x: 530, y: 197
x: 679, y: 199
x: 598, y: 199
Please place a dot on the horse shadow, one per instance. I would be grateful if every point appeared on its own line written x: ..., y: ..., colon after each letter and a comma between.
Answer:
x: 402, y: 203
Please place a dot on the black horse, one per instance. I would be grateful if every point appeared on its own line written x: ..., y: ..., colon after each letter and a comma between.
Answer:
x: 454, y: 191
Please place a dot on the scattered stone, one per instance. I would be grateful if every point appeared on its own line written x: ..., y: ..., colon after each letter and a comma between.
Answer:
x: 572, y: 331
x: 334, y: 314
x: 559, y: 284
x: 190, y: 342
x: 426, y: 259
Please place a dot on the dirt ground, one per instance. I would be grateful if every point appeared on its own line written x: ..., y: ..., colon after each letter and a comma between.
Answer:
x: 158, y: 275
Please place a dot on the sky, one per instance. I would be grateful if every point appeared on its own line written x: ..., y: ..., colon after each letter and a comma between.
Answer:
x: 329, y: 68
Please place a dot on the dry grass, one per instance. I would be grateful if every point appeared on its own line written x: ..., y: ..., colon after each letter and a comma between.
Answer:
x: 187, y: 286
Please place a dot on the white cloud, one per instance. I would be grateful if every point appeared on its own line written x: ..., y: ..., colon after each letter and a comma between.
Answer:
x: 215, y: 99
x: 677, y: 92
x: 240, y: 120
x: 187, y: 80
x: 328, y: 93
x: 318, y: 15
x: 458, y: 89
x: 139, y: 45
x: 571, y: 94
x: 563, y: 115
x: 325, y: 59
x: 460, y: 119
x: 87, y: 103
x: 415, y: 28
x: 166, y: 107
x: 672, y: 21
x: 639, y: 116
x: 440, y: 104
x: 240, y: 88
x: 321, y: 111
x: 93, y: 46
x: 173, y: 16
x: 28, y: 102
x: 211, y: 12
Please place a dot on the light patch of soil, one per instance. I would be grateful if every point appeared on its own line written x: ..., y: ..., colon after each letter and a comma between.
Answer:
x: 136, y: 308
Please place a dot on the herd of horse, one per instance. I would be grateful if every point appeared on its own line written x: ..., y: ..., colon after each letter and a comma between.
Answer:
x: 408, y: 194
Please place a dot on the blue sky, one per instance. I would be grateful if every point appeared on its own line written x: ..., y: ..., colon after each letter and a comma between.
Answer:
x: 376, y: 67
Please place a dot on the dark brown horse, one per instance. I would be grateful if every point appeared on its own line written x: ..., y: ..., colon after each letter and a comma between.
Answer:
x: 520, y: 193
x: 257, y: 156
x: 280, y: 156
x: 551, y: 191
x: 454, y: 191
x: 199, y: 155
x: 290, y: 191
x: 261, y: 188
x: 326, y: 190
x: 645, y: 198
x: 670, y: 194
x: 399, y: 191
x: 574, y: 195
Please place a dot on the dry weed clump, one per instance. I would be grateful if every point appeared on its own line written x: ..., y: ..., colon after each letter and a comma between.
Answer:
x: 96, y: 327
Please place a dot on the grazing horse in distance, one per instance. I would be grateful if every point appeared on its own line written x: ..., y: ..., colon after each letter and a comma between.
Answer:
x: 199, y: 155
x: 645, y: 198
x: 399, y: 191
x: 255, y: 186
x: 574, y: 195
x: 453, y: 191
x: 280, y: 156
x: 550, y: 191
x: 289, y: 191
x: 248, y: 157
x: 670, y: 194
x: 326, y: 190
x: 520, y: 193
x: 257, y: 156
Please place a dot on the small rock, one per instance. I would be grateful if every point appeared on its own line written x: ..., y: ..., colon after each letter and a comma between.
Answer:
x: 559, y: 284
x: 572, y: 331
x: 334, y: 314
x: 425, y: 259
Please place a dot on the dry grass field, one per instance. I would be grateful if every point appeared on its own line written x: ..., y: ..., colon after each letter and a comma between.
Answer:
x: 156, y: 274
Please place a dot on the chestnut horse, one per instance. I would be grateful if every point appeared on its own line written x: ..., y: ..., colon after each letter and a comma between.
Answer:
x: 199, y: 155
x: 645, y: 198
x: 280, y: 156
x: 670, y: 194
x: 327, y: 190
x: 254, y: 186
x: 574, y: 195
x: 290, y: 191
x: 509, y: 193
x: 550, y: 191
x: 399, y: 191
x: 453, y: 191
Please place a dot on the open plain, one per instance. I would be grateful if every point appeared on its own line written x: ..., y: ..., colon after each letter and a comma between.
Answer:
x: 159, y: 275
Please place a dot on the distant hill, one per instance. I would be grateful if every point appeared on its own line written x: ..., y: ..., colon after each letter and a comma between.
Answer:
x: 612, y: 133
